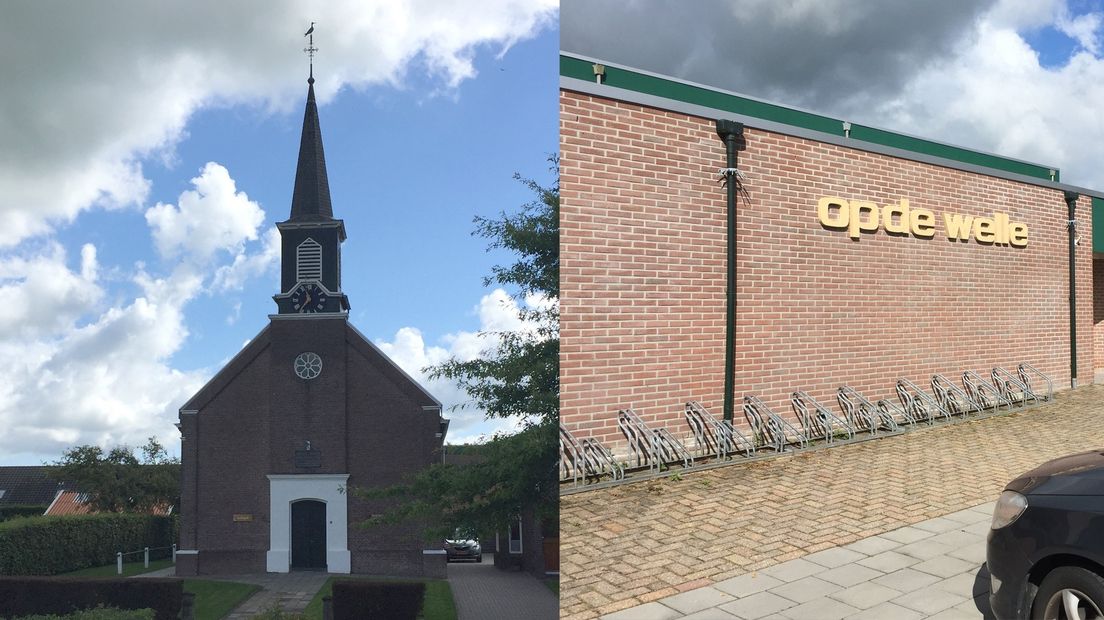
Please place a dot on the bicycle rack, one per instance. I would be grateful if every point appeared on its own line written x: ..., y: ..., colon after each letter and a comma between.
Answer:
x: 824, y: 422
x: 918, y: 402
x: 1025, y: 371
x: 952, y: 398
x: 769, y: 427
x: 983, y: 393
x: 1008, y: 384
x: 585, y: 458
x: 653, y: 447
x: 895, y: 412
x: 863, y: 414
x: 715, y: 436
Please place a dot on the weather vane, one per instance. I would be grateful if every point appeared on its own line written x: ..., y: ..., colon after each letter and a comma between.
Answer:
x: 310, y: 49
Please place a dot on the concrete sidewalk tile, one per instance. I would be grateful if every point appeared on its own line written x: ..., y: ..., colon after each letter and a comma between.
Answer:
x: 888, y: 561
x: 850, y: 574
x: 820, y: 609
x: 969, y: 516
x: 938, y: 525
x: 758, y: 605
x: 925, y: 549
x: 906, y: 535
x: 748, y: 584
x: 804, y: 590
x: 713, y: 613
x: 696, y: 600
x: 944, y: 566
x: 793, y: 570
x: 834, y: 557
x: 979, y: 528
x: 965, y: 583
x: 865, y: 595
x: 979, y: 604
x: 975, y: 553
x: 906, y: 580
x: 958, y: 538
x: 930, y: 600
x: 873, y: 545
x: 888, y: 611
x: 957, y: 613
x: 647, y: 611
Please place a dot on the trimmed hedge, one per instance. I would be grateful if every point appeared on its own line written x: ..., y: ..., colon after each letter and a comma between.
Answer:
x: 52, y: 545
x: 21, y: 510
x: 99, y: 613
x: 21, y: 596
x: 367, y: 600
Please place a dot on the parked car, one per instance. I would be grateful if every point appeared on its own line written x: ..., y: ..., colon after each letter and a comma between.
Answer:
x: 463, y: 549
x: 1045, y: 550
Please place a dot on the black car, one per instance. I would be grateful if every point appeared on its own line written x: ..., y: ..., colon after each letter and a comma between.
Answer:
x: 1045, y: 549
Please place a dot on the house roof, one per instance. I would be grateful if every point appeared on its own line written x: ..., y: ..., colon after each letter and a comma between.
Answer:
x: 27, y: 485
x: 71, y: 502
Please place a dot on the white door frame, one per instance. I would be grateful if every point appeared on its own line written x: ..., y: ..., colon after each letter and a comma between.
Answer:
x: 328, y: 488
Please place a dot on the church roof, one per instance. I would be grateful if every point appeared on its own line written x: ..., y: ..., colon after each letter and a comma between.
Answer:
x: 310, y: 201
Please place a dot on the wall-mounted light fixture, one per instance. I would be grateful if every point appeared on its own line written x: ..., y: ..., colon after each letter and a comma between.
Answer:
x: 846, y: 129
x: 599, y: 72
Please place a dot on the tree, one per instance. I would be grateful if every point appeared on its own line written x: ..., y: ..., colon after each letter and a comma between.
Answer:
x: 119, y: 481
x: 518, y: 377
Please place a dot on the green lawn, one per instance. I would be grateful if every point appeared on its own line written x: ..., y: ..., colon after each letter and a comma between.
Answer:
x: 130, y: 568
x: 553, y: 584
x: 438, y: 603
x: 215, y: 599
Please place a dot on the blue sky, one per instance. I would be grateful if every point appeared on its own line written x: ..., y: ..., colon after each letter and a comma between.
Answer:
x: 143, y: 172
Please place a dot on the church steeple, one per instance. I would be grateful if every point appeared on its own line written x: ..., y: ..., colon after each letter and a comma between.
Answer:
x: 310, y: 274
x: 311, y: 198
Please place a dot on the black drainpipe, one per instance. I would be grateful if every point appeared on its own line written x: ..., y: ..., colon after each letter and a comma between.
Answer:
x: 730, y: 132
x: 1071, y: 202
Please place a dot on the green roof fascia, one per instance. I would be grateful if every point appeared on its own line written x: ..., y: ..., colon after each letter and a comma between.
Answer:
x: 1098, y: 224
x: 679, y: 91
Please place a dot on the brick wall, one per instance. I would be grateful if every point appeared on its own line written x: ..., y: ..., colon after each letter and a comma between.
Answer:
x: 1098, y: 314
x: 643, y: 272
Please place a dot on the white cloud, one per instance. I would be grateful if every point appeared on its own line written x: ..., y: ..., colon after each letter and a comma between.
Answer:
x: 497, y: 312
x: 104, y: 381
x: 247, y: 266
x: 212, y: 217
x: 93, y: 94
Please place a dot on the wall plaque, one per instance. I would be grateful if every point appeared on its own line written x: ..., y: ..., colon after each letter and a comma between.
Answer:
x: 309, y: 459
x: 241, y: 517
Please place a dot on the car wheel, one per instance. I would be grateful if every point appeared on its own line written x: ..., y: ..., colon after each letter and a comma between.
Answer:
x: 1069, y: 592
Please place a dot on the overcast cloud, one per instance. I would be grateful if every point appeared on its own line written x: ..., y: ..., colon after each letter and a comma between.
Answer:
x: 959, y: 71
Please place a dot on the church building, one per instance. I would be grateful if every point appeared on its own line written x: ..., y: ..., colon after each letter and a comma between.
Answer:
x: 306, y: 411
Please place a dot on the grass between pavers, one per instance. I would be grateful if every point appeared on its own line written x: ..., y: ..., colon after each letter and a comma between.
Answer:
x: 438, y: 603
x: 215, y: 599
x: 129, y: 568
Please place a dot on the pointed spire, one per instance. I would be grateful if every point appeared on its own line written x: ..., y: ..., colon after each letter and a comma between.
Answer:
x: 311, y: 198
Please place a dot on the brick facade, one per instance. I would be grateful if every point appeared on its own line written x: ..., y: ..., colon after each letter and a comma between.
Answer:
x: 365, y: 416
x: 642, y: 291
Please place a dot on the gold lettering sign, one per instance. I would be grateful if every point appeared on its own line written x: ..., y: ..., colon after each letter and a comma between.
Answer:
x: 862, y: 216
x: 241, y: 517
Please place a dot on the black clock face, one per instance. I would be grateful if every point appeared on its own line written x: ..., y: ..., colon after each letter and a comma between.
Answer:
x: 308, y: 297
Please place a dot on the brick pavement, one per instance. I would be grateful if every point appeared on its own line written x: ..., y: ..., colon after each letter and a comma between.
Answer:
x: 931, y: 569
x: 483, y: 592
x: 628, y: 545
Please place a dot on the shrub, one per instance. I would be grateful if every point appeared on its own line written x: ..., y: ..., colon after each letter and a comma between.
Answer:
x: 374, y: 599
x: 21, y: 596
x: 52, y: 545
x: 21, y: 510
x: 99, y: 613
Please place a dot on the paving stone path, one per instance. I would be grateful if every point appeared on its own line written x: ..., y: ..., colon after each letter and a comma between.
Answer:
x: 625, y: 546
x: 931, y: 569
x: 483, y: 592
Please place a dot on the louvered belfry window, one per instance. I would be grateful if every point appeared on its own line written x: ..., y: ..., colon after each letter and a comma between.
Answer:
x: 308, y: 261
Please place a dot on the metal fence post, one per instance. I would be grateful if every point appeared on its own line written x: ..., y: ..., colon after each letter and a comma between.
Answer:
x: 119, y: 562
x: 174, y: 553
x: 147, y: 558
